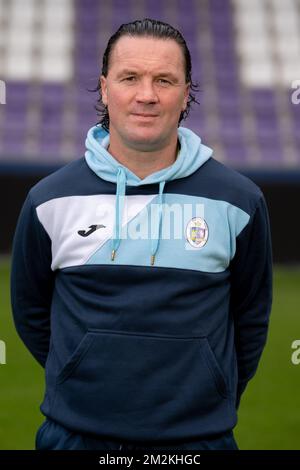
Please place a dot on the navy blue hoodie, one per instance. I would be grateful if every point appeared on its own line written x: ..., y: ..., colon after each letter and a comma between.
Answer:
x: 146, y: 300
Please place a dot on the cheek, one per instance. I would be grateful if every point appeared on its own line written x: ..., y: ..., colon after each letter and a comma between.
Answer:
x: 119, y: 102
x: 173, y: 105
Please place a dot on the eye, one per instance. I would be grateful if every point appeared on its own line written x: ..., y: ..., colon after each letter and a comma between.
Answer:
x: 165, y: 82
x: 129, y: 78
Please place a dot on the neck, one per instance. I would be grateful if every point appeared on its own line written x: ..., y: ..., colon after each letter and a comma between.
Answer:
x: 143, y: 163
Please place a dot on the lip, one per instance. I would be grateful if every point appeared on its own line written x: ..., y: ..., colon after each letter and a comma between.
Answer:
x: 145, y: 115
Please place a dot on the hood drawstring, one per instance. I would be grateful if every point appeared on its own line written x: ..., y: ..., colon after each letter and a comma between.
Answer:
x: 121, y: 188
x: 156, y: 239
x: 120, y: 197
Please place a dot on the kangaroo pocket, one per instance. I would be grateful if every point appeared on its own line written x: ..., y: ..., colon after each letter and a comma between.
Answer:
x: 142, y: 386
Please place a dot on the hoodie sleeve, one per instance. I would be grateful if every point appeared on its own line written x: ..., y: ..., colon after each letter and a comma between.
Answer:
x: 32, y: 282
x: 251, y: 293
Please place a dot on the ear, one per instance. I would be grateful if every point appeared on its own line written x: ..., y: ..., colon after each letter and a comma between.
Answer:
x: 103, y: 89
x: 186, y: 96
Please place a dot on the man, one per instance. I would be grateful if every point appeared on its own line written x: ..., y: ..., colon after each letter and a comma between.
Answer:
x: 142, y: 273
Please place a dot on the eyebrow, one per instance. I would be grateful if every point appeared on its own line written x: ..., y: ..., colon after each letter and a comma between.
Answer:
x: 135, y: 72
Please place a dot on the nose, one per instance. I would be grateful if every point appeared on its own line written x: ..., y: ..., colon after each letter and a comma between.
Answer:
x: 146, y: 93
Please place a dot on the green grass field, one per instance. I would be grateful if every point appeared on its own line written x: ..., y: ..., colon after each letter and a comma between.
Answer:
x: 269, y: 415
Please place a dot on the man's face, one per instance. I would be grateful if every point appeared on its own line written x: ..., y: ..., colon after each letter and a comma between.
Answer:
x: 145, y: 91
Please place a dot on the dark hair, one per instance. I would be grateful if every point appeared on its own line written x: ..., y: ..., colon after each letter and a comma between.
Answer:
x: 144, y: 28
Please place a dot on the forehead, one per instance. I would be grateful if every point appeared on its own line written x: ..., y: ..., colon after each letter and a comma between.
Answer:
x: 147, y: 53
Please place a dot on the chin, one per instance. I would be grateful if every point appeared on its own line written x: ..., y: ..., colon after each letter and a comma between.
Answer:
x: 145, y: 135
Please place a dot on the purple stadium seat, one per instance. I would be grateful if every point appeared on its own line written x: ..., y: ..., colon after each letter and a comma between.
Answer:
x: 236, y: 152
x: 219, y: 6
x: 53, y: 93
x: 230, y: 127
x: 267, y: 128
x: 271, y: 153
x: 14, y: 144
x: 263, y: 100
x: 229, y: 99
x: 49, y: 148
x: 17, y: 93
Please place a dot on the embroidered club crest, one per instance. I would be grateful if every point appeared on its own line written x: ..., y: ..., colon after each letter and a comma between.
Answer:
x: 197, y: 232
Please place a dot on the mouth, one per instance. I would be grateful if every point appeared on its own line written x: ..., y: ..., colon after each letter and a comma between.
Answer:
x: 145, y: 116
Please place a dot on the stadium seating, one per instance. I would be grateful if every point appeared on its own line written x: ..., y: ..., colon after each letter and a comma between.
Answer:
x: 245, y: 57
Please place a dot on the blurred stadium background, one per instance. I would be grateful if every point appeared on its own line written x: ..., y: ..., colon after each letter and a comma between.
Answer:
x: 246, y: 58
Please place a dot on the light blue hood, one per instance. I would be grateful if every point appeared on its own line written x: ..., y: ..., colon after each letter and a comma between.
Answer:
x: 192, y: 155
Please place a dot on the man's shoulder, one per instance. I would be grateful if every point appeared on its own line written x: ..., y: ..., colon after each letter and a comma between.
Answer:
x: 60, y: 183
x: 215, y: 180
x: 234, y: 179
